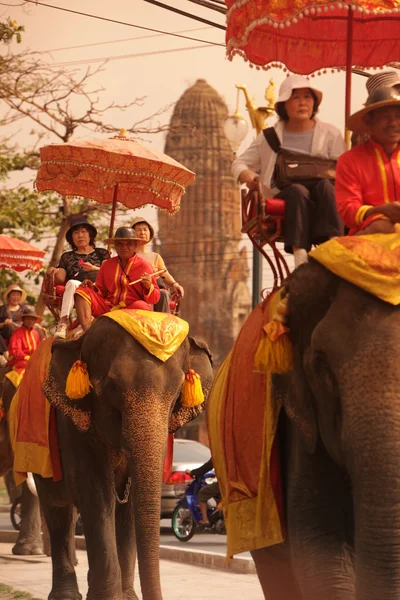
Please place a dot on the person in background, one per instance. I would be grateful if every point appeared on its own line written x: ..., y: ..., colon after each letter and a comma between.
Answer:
x: 206, y: 492
x: 10, y: 313
x: 24, y: 340
x: 310, y: 213
x: 145, y: 232
x: 80, y: 263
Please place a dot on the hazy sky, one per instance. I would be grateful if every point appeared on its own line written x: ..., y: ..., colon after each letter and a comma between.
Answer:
x: 156, y: 66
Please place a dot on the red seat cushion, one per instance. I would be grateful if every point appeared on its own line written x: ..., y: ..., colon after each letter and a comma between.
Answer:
x: 275, y: 207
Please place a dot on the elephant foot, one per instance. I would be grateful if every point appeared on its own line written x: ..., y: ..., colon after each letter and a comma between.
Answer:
x: 129, y: 595
x: 65, y: 595
x: 27, y: 549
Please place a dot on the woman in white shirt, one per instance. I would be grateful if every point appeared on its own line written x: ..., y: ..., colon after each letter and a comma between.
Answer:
x: 310, y: 214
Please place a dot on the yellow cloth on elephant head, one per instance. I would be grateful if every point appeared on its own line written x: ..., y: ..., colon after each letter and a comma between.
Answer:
x: 160, y: 333
x: 371, y: 262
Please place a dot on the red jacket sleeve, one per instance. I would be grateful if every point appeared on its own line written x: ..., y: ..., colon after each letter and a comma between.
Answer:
x: 152, y: 295
x: 348, y: 192
x: 100, y: 283
x: 17, y: 347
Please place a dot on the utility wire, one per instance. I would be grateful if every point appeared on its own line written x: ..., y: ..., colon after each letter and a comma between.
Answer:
x: 210, y: 5
x: 106, y: 59
x: 108, y: 20
x: 132, y: 39
x: 185, y: 14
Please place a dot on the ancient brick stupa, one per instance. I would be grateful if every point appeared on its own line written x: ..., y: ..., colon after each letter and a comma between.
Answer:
x: 200, y: 244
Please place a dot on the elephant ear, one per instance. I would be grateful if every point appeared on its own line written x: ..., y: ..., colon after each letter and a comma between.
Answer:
x: 64, y: 354
x: 199, y: 358
x: 311, y: 293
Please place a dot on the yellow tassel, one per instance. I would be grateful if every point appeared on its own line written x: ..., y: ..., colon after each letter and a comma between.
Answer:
x: 275, y: 351
x: 78, y: 384
x: 192, y: 392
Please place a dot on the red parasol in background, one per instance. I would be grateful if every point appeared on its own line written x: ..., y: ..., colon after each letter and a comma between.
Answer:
x: 308, y: 36
x: 114, y: 170
x: 18, y: 255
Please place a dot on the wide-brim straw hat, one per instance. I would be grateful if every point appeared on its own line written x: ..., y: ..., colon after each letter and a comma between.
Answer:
x: 380, y: 98
x: 14, y: 287
x: 30, y: 312
x: 138, y: 220
x: 296, y: 82
x: 123, y: 233
x: 384, y: 79
x: 80, y: 221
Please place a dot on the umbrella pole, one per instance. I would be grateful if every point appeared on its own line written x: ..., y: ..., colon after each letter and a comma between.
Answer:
x: 349, y: 60
x: 114, y: 208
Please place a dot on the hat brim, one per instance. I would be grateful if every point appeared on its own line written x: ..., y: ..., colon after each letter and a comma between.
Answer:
x: 38, y: 318
x: 8, y: 292
x: 121, y: 239
x: 285, y: 97
x: 91, y: 228
x: 356, y: 122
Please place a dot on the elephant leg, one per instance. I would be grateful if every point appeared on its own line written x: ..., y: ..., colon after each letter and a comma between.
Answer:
x: 13, y: 491
x: 59, y: 517
x: 275, y: 573
x: 29, y: 541
x: 126, y: 546
x: 319, y: 526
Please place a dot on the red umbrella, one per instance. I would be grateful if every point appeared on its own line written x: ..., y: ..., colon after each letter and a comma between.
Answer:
x: 18, y: 255
x: 308, y: 36
x: 114, y: 170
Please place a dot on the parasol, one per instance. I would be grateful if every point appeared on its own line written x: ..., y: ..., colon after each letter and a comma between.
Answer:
x: 18, y: 255
x: 118, y: 169
x: 308, y: 36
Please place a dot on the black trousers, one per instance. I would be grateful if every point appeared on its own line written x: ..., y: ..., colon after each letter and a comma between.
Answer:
x: 311, y: 216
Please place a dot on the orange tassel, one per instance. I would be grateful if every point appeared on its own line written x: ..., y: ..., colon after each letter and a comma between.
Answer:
x: 78, y: 384
x: 192, y: 392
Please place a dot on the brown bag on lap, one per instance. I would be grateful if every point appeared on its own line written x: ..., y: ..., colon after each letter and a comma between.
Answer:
x: 294, y: 167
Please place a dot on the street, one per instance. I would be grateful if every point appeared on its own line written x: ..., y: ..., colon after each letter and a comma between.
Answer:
x: 203, y: 542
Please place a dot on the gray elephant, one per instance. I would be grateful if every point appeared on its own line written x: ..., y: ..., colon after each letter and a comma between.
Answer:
x: 340, y: 448
x: 29, y: 541
x: 112, y: 443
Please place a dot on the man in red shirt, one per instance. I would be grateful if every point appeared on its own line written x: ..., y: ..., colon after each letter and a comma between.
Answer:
x: 367, y: 184
x: 114, y: 285
x: 24, y: 341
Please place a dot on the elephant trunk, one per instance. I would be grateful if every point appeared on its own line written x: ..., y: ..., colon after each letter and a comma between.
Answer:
x: 372, y: 434
x: 146, y: 450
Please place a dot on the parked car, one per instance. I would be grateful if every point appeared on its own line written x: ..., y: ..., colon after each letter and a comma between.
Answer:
x: 188, y: 454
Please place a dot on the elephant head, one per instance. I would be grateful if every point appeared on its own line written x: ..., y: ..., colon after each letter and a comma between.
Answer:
x: 344, y: 390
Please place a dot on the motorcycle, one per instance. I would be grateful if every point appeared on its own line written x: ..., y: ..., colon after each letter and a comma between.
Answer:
x: 187, y: 515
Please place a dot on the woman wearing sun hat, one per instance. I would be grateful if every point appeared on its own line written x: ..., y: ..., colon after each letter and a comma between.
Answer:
x: 310, y: 215
x: 14, y: 305
x: 82, y: 262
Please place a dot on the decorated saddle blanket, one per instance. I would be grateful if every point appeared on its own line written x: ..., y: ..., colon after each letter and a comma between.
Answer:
x: 160, y: 333
x: 32, y: 422
x: 371, y: 262
x: 242, y: 426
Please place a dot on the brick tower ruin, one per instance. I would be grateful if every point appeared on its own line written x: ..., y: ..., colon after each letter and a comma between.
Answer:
x: 200, y: 244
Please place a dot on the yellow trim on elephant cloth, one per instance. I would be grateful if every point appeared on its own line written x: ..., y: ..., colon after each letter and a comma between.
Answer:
x: 15, y: 377
x: 160, y: 333
x: 371, y: 262
x: 32, y: 421
x: 242, y: 421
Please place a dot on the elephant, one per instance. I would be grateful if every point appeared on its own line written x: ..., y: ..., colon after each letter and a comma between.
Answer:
x: 339, y: 444
x: 112, y: 444
x: 29, y: 541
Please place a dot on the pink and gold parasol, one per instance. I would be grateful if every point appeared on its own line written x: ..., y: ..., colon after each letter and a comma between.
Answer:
x: 114, y: 170
x: 18, y: 255
x: 308, y: 36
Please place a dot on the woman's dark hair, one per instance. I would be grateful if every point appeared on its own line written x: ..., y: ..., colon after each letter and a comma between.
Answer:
x: 282, y: 112
x: 91, y: 237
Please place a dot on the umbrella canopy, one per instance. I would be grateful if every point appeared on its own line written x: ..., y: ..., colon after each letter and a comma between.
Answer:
x: 307, y: 35
x: 117, y: 169
x: 18, y: 255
